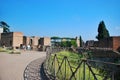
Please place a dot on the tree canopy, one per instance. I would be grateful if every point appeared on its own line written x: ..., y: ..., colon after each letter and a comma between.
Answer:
x: 102, y: 31
x: 55, y: 37
x: 69, y: 43
x: 5, y: 27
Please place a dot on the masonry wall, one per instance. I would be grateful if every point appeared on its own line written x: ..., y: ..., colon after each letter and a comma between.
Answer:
x: 116, y: 43
x: 26, y: 40
x: 111, y: 42
x: 46, y: 41
x: 78, y: 42
x: 17, y: 39
x: 12, y: 39
x: 106, y: 43
x: 7, y: 39
x: 35, y: 41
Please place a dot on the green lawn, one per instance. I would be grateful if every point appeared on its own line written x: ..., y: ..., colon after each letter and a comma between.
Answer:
x: 65, y: 63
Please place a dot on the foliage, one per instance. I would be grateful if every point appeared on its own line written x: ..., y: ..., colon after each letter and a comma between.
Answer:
x: 65, y: 44
x: 81, y: 41
x: 102, y: 31
x: 69, y: 55
x: 55, y: 37
x: 69, y: 43
x: 5, y: 27
x: 66, y: 63
x: 73, y: 43
x: 9, y: 51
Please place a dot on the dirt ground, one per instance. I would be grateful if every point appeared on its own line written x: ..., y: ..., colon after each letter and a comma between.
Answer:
x: 12, y: 66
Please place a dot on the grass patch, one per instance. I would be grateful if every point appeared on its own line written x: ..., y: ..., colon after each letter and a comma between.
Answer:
x: 2, y: 49
x: 9, y: 51
x: 65, y: 63
x: 15, y: 52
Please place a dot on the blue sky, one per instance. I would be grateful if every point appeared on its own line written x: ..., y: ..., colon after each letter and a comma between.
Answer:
x: 64, y: 18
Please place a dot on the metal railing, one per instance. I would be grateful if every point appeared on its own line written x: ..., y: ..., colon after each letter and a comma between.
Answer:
x: 83, y: 69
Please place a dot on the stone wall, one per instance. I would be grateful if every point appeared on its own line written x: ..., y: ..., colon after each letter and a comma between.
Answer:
x: 17, y: 39
x: 26, y: 40
x: 12, y: 39
x: 111, y: 42
x: 35, y: 40
x: 116, y: 43
x: 106, y: 43
x: 78, y: 42
x: 46, y: 41
x: 7, y: 39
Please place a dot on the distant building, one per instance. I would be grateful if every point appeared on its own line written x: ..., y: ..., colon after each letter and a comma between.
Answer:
x: 90, y: 43
x: 12, y: 39
x: 63, y: 39
x: 78, y: 42
x: 17, y: 40
x: 45, y: 41
x: 1, y: 30
x: 112, y: 42
x: 32, y: 41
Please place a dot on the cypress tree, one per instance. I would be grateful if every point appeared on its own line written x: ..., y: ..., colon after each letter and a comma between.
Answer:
x: 102, y: 31
x: 81, y: 41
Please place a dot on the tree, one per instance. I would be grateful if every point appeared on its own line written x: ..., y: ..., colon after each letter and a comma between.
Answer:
x: 73, y: 43
x: 81, y: 41
x: 5, y: 27
x: 102, y: 31
x: 65, y: 44
x: 69, y: 43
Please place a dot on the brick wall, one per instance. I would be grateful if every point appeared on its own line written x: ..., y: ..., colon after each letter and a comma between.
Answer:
x: 17, y: 39
x: 7, y: 39
x: 12, y: 39
x: 35, y: 41
x: 26, y: 40
x: 111, y: 42
x: 116, y: 43
x: 46, y: 41
x: 106, y: 43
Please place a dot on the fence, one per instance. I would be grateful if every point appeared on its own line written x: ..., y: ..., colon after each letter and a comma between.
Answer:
x: 83, y: 69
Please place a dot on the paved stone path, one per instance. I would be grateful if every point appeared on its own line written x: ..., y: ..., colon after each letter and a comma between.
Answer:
x: 12, y: 66
x: 34, y: 70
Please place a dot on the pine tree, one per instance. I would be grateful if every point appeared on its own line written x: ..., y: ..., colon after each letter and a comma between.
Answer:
x: 102, y: 31
x: 5, y: 27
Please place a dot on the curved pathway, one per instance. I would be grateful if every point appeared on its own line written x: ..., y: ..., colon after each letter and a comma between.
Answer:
x: 12, y: 66
x: 35, y: 71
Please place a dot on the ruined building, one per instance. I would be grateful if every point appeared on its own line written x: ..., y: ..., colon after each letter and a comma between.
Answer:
x: 12, y: 39
x: 112, y: 42
x: 17, y: 39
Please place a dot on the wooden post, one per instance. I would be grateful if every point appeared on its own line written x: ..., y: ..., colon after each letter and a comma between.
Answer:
x: 84, y: 70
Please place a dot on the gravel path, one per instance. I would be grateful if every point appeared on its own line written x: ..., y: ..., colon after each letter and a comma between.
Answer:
x: 12, y: 66
x: 34, y: 70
